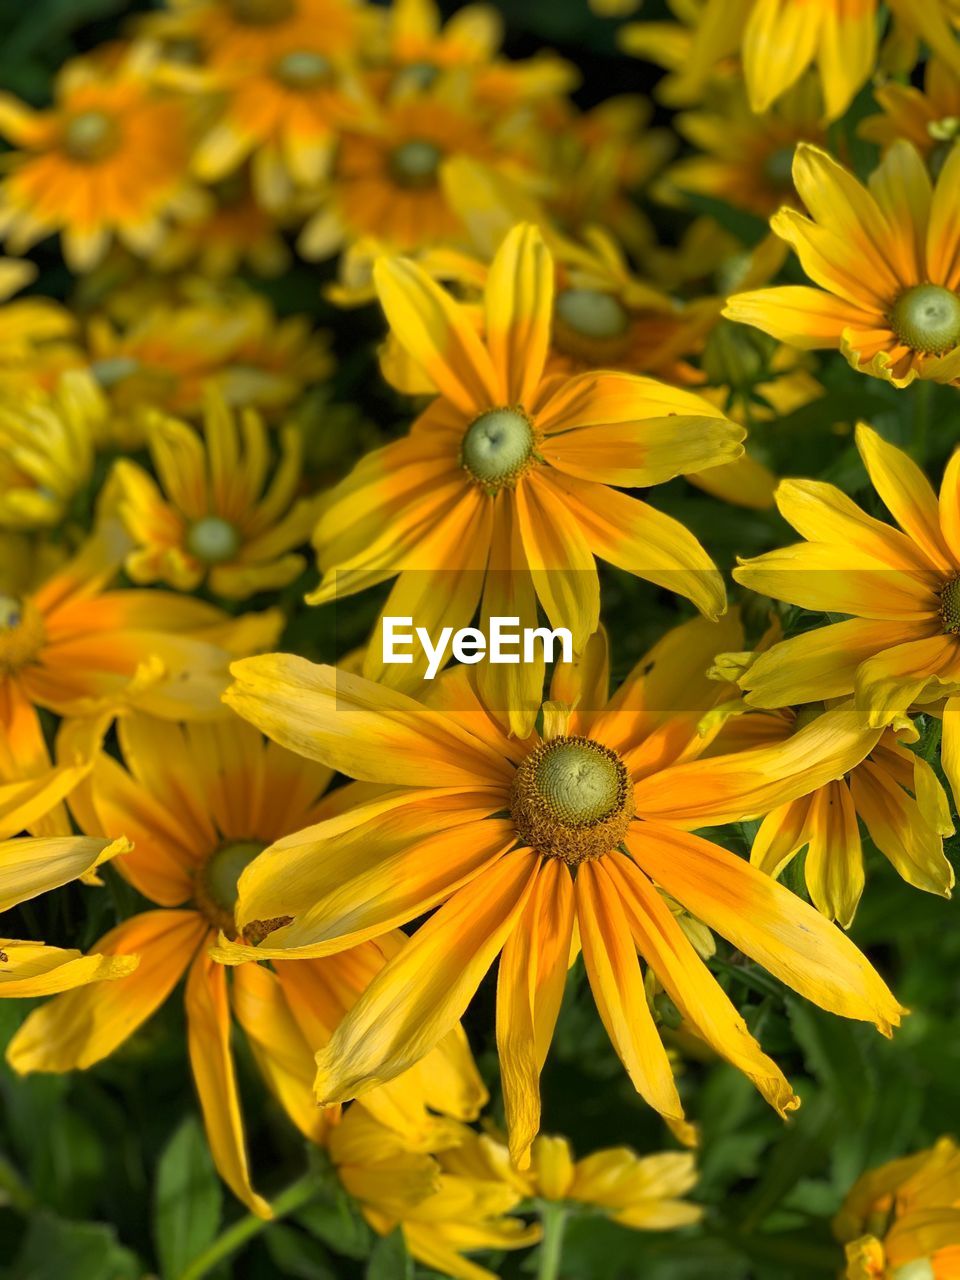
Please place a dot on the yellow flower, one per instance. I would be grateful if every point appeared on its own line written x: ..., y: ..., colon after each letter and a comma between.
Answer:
x: 213, y: 518
x: 927, y: 117
x: 892, y: 789
x: 533, y: 847
x: 902, y: 1220
x: 35, y: 336
x: 166, y: 356
x: 901, y: 644
x: 72, y: 646
x: 286, y: 96
x: 887, y: 263
x: 386, y: 179
x: 234, y: 32
x: 748, y: 158
x: 511, y: 469
x: 416, y: 47
x: 446, y: 1204
x: 32, y: 865
x: 109, y: 159
x: 200, y: 802
x: 778, y: 39
x: 47, y: 449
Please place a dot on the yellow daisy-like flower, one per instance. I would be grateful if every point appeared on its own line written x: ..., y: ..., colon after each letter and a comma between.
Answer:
x: 234, y: 32
x: 748, y: 158
x: 504, y: 485
x: 902, y: 643
x: 32, y: 865
x: 215, y: 519
x: 109, y: 159
x: 446, y: 1204
x: 47, y: 450
x: 531, y: 847
x: 778, y: 39
x: 927, y: 117
x: 200, y: 802
x: 892, y: 789
x: 72, y: 646
x: 887, y: 260
x: 902, y: 1220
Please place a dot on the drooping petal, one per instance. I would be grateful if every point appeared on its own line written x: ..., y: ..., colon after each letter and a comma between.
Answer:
x: 208, y: 1039
x: 531, y: 979
x: 901, y: 829
x: 31, y: 969
x: 888, y: 682
x: 421, y: 995
x: 31, y: 866
x: 834, y: 863
x: 768, y: 923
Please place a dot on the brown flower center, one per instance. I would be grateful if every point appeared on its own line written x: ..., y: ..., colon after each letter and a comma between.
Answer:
x: 572, y: 799
x: 950, y: 606
x: 262, y: 13
x: 21, y: 633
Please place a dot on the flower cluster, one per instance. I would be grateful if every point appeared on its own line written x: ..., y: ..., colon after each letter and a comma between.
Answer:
x: 319, y: 313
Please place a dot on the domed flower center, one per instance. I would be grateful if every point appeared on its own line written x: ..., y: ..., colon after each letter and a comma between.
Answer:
x: 416, y: 163
x: 21, y: 633
x: 572, y: 799
x: 593, y: 314
x: 927, y: 319
x: 418, y: 75
x: 90, y: 135
x: 950, y: 606
x: 213, y: 540
x: 778, y: 167
x: 262, y: 13
x: 497, y: 447
x: 217, y: 881
x: 302, y: 69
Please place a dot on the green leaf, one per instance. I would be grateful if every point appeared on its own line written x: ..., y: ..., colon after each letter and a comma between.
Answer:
x: 187, y: 1201
x: 338, y: 1223
x: 297, y: 1256
x: 54, y: 1250
x: 389, y: 1259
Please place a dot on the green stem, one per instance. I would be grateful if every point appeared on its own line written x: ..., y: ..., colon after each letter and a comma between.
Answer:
x: 554, y: 1220
x: 923, y: 406
x: 296, y: 1196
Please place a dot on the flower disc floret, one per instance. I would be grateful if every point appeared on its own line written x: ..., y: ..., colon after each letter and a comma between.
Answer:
x: 950, y: 606
x: 572, y: 799
x: 213, y: 540
x: 927, y: 318
x: 416, y: 163
x: 302, y: 69
x: 90, y: 135
x: 592, y: 314
x: 216, y: 885
x: 498, y: 446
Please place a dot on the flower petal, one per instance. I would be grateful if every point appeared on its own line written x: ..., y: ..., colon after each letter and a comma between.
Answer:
x: 519, y: 313
x: 907, y: 495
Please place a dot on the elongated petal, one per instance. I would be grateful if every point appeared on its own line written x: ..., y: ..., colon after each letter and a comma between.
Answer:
x: 437, y: 334
x: 422, y: 994
x: 531, y: 979
x: 901, y: 830
x: 767, y: 922
x: 519, y: 313
x: 645, y: 452
x: 30, y: 969
x: 778, y: 44
x: 357, y: 727
x: 82, y: 1027
x: 31, y: 866
x: 23, y: 804
x: 208, y: 1039
x: 906, y: 493
x: 834, y: 864
x: 799, y: 315
x: 690, y: 985
x: 613, y: 969
x: 745, y: 784
x: 888, y: 682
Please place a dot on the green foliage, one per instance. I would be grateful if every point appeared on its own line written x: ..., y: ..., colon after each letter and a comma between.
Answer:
x: 188, y: 1200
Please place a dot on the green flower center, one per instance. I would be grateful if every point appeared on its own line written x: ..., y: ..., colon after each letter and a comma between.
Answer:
x: 262, y: 13
x: 593, y: 314
x: 302, y: 69
x: 927, y: 319
x: 90, y: 135
x: 216, y: 887
x: 950, y: 606
x: 416, y: 163
x: 572, y: 799
x: 778, y: 167
x: 497, y: 447
x: 213, y: 540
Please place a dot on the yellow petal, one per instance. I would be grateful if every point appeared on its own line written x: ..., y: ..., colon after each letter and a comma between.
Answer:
x: 803, y: 317
x: 30, y: 969
x: 834, y: 863
x: 901, y: 829
x: 907, y: 494
x: 519, y: 313
x: 31, y: 866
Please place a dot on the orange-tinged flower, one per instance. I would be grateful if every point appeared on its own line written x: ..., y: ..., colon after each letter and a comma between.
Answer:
x: 505, y: 480
x: 927, y: 117
x: 887, y: 260
x: 531, y: 847
x: 200, y: 802
x: 902, y: 1220
x: 234, y: 32
x: 109, y: 159
x: 778, y: 39
x: 73, y: 646
x: 446, y: 1203
x: 901, y: 642
x: 214, y: 518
